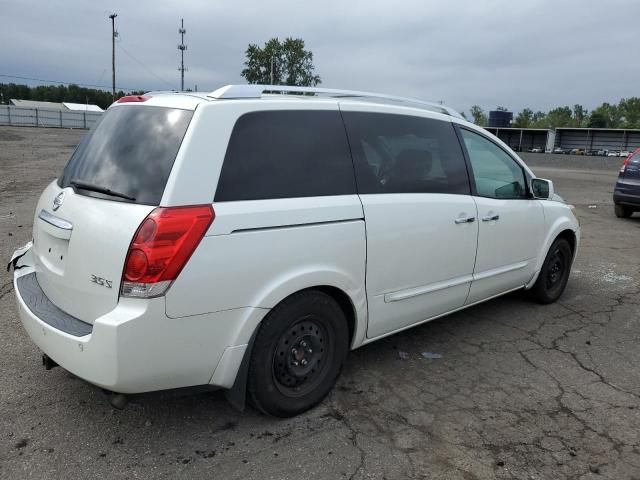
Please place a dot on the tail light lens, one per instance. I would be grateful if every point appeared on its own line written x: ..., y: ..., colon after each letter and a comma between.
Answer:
x: 133, y: 98
x: 161, y: 247
x: 626, y: 162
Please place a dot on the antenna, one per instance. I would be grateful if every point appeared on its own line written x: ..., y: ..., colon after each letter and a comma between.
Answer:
x: 182, y: 47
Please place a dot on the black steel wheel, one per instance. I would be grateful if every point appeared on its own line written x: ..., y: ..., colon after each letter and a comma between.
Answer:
x: 554, y: 274
x: 300, y: 359
x: 298, y: 354
x: 556, y: 268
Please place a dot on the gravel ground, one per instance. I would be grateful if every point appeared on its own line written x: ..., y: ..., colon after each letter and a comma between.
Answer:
x: 521, y: 391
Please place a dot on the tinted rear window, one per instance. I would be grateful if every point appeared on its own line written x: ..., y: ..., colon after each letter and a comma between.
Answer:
x: 131, y: 151
x: 285, y: 154
x: 405, y: 154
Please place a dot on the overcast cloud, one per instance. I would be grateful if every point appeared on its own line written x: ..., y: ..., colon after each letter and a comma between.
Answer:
x: 535, y: 53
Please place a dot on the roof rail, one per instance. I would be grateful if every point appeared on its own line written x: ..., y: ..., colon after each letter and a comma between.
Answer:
x: 256, y: 91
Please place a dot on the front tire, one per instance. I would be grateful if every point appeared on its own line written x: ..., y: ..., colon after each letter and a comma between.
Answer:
x: 298, y: 354
x: 554, y: 274
x: 622, y: 212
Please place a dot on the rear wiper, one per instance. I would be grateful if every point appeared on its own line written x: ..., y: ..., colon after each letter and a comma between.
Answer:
x: 99, y: 189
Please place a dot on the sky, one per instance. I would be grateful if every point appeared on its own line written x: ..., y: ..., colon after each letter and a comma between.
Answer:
x: 528, y: 53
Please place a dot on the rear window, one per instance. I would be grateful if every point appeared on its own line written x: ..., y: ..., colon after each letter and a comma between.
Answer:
x: 286, y: 154
x: 130, y: 151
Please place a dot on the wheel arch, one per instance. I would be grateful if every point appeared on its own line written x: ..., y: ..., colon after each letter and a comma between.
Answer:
x: 347, y: 288
x: 355, y: 313
x: 562, y: 228
x: 570, y: 236
x: 346, y: 305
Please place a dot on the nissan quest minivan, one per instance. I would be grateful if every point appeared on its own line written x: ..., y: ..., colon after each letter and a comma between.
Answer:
x: 249, y: 238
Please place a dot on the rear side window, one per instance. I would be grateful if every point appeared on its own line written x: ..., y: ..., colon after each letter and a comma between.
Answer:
x: 405, y: 154
x: 286, y: 154
x: 130, y: 151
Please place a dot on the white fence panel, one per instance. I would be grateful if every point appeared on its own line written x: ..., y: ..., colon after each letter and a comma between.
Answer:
x: 41, y: 117
x: 48, y: 118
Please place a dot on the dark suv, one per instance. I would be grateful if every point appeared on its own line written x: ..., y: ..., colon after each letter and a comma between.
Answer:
x: 626, y: 195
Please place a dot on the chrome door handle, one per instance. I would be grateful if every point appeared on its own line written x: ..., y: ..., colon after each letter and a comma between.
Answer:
x: 465, y: 220
x: 490, y: 218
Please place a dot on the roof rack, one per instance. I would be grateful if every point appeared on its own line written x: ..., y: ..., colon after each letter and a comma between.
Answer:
x: 256, y: 91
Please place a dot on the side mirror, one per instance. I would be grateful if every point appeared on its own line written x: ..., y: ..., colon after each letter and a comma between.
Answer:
x: 542, y: 189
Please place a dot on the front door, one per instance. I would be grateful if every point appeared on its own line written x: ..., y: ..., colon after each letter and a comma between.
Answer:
x: 511, y: 224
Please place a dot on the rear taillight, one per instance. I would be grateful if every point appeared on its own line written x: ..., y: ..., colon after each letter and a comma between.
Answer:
x: 132, y: 98
x: 161, y: 247
x: 625, y: 163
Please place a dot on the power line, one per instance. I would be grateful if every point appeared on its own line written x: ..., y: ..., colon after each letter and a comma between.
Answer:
x: 6, y: 75
x: 130, y: 55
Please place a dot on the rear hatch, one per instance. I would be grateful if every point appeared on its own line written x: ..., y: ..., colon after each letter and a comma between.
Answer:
x: 85, y: 220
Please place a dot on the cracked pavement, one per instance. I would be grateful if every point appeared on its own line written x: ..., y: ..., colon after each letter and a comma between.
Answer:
x: 522, y: 391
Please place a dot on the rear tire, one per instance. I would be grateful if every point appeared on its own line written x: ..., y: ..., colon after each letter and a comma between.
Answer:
x: 554, y: 274
x: 298, y: 354
x: 622, y: 212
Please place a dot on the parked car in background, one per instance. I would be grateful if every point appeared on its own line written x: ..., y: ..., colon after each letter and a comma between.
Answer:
x: 626, y: 194
x: 248, y: 240
x: 625, y: 153
x: 537, y: 150
x: 576, y: 151
x: 561, y: 151
x: 591, y: 152
x: 613, y: 153
x: 602, y: 153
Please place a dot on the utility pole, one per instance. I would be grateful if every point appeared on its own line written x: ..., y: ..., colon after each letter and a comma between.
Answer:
x: 113, y: 55
x: 182, y: 47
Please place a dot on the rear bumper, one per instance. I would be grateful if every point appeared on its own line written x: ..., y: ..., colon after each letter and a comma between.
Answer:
x: 136, y: 348
x: 40, y: 305
x: 627, y: 198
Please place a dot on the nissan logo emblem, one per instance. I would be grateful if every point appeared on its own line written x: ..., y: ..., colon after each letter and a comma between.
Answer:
x: 58, y: 201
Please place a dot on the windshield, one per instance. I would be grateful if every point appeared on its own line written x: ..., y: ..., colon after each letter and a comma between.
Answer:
x: 130, y: 151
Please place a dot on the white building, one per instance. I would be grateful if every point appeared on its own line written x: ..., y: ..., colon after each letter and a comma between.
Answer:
x: 64, y: 106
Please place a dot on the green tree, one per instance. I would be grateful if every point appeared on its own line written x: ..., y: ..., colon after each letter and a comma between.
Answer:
x: 524, y: 119
x: 558, y: 117
x: 597, y: 120
x: 538, y: 120
x: 580, y: 116
x: 280, y: 63
x: 479, y: 117
x: 629, y: 109
x: 606, y: 116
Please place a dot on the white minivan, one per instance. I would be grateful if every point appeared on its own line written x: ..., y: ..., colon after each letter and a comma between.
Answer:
x: 249, y: 238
